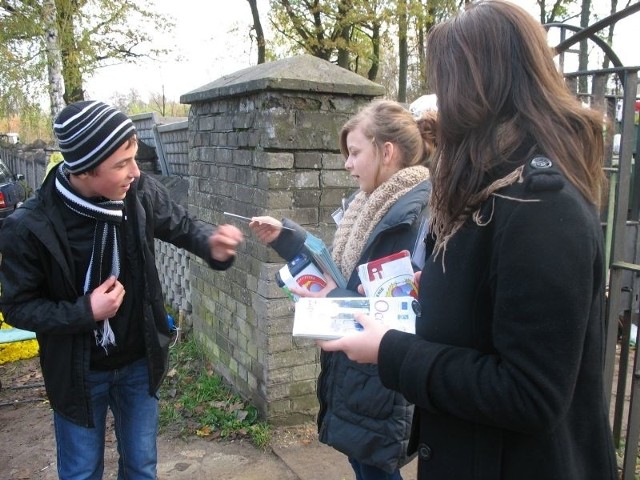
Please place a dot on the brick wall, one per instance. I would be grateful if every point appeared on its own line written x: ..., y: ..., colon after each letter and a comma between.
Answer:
x: 175, y: 147
x: 264, y: 142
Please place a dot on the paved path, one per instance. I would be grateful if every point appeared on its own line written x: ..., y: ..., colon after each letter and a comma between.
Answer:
x: 27, y: 446
x: 27, y: 452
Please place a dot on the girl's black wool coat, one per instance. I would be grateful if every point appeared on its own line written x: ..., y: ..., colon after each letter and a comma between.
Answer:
x: 506, y: 369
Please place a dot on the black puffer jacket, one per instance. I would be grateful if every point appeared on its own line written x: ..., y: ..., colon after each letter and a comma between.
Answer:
x: 39, y: 293
x: 359, y: 416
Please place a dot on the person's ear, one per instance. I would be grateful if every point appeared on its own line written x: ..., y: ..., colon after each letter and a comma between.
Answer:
x: 387, y: 152
x: 85, y: 175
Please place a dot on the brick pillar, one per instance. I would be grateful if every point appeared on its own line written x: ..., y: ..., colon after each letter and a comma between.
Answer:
x: 264, y: 141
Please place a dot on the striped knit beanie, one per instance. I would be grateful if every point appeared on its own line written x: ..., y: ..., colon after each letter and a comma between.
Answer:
x: 89, y: 132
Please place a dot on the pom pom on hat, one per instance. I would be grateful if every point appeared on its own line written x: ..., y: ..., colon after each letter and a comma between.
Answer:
x: 88, y: 132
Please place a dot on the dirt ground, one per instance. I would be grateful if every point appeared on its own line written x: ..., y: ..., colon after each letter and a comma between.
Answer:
x: 27, y: 445
x: 26, y: 421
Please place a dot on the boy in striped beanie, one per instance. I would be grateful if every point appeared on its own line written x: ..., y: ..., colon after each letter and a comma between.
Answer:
x: 89, y: 132
x: 78, y: 268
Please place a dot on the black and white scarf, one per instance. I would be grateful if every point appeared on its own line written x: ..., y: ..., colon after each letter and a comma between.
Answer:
x: 105, y: 255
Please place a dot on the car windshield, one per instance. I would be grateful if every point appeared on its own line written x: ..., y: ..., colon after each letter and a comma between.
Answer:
x: 5, y: 173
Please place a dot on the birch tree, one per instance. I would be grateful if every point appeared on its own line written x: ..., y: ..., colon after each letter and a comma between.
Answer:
x: 89, y: 34
x: 54, y: 59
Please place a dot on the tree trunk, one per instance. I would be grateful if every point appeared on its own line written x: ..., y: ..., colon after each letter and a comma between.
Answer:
x: 610, y: 30
x: 71, y: 72
x: 421, y: 35
x: 257, y: 27
x: 583, y: 55
x: 375, y: 55
x: 402, y: 51
x: 549, y: 16
x: 54, y: 60
x: 344, y: 33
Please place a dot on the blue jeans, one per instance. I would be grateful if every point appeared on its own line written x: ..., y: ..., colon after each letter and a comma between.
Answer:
x: 367, y: 472
x: 80, y: 450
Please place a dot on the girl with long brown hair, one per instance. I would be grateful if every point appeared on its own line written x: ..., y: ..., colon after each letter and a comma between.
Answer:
x: 506, y: 367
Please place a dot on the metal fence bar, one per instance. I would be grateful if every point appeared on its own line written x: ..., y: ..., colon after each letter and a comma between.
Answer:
x: 619, y: 221
x: 633, y: 426
x: 629, y: 438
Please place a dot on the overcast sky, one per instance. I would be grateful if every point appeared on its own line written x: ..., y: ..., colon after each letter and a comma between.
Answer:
x: 211, y: 39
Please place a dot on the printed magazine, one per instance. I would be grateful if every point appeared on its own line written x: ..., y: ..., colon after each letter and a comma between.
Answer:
x: 390, y: 276
x: 329, y: 318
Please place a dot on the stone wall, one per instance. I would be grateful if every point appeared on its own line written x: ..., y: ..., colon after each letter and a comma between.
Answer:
x: 175, y: 147
x: 145, y: 124
x: 264, y: 142
x: 169, y: 138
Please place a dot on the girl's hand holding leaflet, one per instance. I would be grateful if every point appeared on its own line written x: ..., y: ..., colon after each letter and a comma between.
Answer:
x: 361, y: 347
x: 266, y: 228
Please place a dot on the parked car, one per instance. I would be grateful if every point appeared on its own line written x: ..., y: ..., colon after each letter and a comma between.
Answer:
x: 11, y: 138
x: 13, y: 191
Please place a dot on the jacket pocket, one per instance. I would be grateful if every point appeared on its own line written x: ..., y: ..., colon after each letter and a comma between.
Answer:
x: 366, y: 394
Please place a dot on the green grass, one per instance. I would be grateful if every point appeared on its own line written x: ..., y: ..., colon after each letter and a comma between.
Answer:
x: 196, y: 401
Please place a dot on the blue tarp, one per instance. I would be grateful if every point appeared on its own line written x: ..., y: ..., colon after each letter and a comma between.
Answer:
x: 8, y: 335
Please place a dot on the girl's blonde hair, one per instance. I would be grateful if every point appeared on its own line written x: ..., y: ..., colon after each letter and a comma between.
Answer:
x: 388, y: 121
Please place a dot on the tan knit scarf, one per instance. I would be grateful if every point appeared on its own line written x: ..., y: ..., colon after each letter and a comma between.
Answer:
x: 366, y: 211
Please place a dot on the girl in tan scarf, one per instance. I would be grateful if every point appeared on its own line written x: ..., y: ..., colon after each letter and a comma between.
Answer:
x: 386, y: 151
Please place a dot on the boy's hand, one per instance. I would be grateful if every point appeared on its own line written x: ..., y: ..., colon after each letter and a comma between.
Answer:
x: 224, y: 242
x: 106, y: 299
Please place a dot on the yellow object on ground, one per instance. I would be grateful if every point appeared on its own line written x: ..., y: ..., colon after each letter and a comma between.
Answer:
x: 54, y: 159
x: 10, y: 352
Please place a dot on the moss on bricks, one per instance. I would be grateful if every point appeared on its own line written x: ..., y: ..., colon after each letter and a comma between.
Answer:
x: 278, y: 407
x: 305, y: 403
x: 303, y: 388
x: 305, y: 372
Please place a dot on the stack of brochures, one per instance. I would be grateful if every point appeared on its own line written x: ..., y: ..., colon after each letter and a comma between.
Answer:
x: 390, y: 276
x: 300, y: 272
x: 328, y: 318
x: 322, y: 257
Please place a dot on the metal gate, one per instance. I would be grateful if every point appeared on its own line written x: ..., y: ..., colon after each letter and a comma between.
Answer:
x: 614, y: 91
